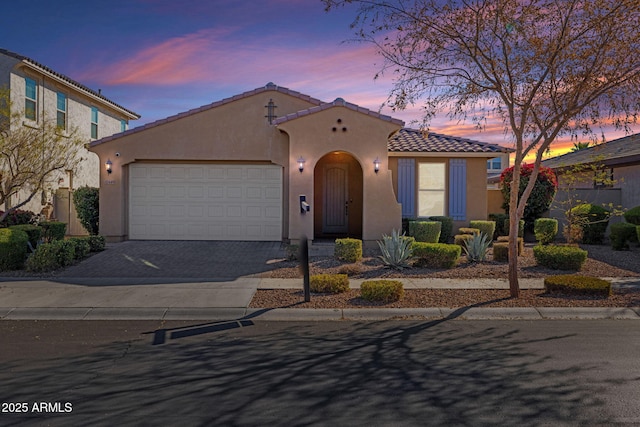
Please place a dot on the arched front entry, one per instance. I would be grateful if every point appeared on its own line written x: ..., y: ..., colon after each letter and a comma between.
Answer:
x: 338, y: 196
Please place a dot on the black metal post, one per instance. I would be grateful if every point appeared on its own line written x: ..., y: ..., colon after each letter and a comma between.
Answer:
x: 304, y: 265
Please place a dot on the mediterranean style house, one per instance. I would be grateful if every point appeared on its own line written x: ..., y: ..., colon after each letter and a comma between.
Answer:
x: 275, y: 164
x: 40, y: 92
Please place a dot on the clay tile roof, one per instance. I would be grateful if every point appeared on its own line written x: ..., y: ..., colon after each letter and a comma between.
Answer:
x: 412, y: 141
x: 68, y: 80
x: 616, y: 152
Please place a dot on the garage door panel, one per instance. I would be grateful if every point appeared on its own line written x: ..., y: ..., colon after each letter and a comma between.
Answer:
x: 205, y: 202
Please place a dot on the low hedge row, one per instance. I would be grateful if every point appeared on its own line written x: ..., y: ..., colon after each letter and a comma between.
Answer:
x: 580, y: 285
x: 13, y: 248
x: 436, y: 255
x: 382, y: 290
x: 560, y: 257
x: 62, y: 253
x: 329, y: 283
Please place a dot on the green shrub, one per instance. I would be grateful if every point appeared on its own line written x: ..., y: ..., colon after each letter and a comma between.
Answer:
x: 382, y: 290
x: 348, y: 250
x: 468, y: 230
x: 501, y: 251
x: 33, y: 232
x: 51, y: 256
x: 425, y: 231
x: 545, y: 230
x: 560, y: 257
x: 13, y: 248
x: 395, y: 249
x: 477, y: 247
x: 18, y: 217
x: 329, y: 283
x: 593, y: 220
x: 638, y: 232
x: 520, y: 243
x: 436, y: 255
x: 81, y: 246
x: 577, y: 285
x: 446, y: 230
x: 486, y: 227
x: 540, y: 198
x: 96, y: 243
x: 632, y: 216
x: 461, y: 239
x: 621, y: 234
x: 86, y: 201
x: 53, y: 230
x: 500, y: 219
x: 520, y: 227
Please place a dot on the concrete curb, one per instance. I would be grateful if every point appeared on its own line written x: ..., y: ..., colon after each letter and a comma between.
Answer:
x: 313, y: 315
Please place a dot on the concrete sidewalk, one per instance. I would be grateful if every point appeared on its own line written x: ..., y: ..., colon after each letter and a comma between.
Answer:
x: 138, y: 298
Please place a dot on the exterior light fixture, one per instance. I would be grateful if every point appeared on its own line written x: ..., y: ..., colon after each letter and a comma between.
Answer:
x: 376, y: 165
x: 108, y: 165
x: 301, y: 163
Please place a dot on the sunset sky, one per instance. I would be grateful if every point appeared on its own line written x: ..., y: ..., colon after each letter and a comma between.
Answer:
x: 162, y: 57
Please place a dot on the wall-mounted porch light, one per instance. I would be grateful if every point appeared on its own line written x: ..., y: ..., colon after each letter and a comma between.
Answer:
x: 376, y: 165
x: 301, y: 163
x: 108, y: 165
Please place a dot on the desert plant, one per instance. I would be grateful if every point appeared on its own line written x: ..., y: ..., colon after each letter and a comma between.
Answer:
x: 593, y: 221
x: 53, y: 230
x: 486, y: 227
x: 580, y: 285
x: 348, y: 250
x: 477, y: 247
x: 632, y: 216
x: 395, y: 249
x: 446, y: 230
x: 86, y: 200
x: 560, y: 257
x: 545, y: 230
x: 329, y: 283
x: 382, y: 290
x: 501, y: 251
x: 13, y: 248
x: 425, y: 231
x: 621, y: 234
x: 436, y: 255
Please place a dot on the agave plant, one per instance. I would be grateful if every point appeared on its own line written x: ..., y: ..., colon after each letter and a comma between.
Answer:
x: 396, y: 249
x: 476, y: 248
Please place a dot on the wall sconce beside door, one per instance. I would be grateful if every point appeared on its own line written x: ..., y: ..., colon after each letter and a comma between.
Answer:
x: 376, y: 165
x: 108, y: 164
x: 301, y: 163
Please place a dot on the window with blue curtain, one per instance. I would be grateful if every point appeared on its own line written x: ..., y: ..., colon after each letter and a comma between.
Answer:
x: 30, y: 98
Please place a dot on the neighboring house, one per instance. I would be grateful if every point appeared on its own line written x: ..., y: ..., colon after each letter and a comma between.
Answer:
x: 274, y: 164
x: 43, y: 94
x: 495, y: 167
x: 619, y: 158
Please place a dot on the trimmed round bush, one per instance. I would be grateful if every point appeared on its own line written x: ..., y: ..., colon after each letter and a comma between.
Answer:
x: 382, y: 290
x: 446, y: 229
x: 621, y: 234
x: 81, y: 246
x: 468, y: 230
x: 577, y: 285
x: 560, y: 257
x: 545, y: 230
x: 329, y: 283
x: 86, y: 200
x: 520, y: 243
x: 348, y: 250
x: 53, y: 230
x: 486, y: 227
x: 97, y: 243
x: 33, y: 231
x: 436, y: 255
x: 51, y: 256
x: 501, y: 251
x: 461, y: 239
x: 632, y: 216
x: 593, y: 220
x: 425, y: 231
x: 13, y: 248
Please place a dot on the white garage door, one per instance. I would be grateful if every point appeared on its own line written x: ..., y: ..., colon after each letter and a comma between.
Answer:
x: 205, y: 202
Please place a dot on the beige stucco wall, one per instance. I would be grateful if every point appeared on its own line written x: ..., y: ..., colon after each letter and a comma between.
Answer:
x: 13, y: 73
x: 233, y: 131
x: 364, y: 138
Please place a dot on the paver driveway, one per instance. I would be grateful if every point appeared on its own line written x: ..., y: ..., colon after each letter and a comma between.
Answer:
x: 179, y: 259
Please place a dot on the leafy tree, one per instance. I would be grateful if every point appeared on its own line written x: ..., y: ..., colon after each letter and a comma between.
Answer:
x: 87, y: 202
x: 545, y: 68
x: 541, y: 196
x: 577, y: 146
x: 31, y: 156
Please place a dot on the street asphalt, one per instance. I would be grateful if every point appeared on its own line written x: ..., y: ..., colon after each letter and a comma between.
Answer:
x: 141, y: 280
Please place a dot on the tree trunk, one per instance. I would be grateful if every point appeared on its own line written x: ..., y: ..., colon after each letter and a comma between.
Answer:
x: 514, y: 223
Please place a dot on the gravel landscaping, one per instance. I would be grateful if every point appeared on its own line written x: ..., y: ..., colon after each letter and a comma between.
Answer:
x: 602, y: 262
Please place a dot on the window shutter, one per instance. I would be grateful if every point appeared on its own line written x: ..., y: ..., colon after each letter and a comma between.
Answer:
x: 407, y: 186
x: 458, y: 189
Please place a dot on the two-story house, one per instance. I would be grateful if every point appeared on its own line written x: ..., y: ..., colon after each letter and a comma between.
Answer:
x: 41, y: 93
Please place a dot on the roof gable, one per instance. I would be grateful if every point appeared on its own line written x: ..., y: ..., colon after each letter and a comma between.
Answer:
x: 618, y: 151
x: 78, y: 86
